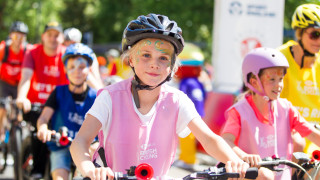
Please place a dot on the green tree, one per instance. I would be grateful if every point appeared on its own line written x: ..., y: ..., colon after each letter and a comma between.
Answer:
x: 106, y: 19
x: 35, y: 13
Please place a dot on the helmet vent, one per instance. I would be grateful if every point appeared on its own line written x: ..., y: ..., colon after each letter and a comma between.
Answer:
x: 152, y: 22
x: 169, y: 27
x: 316, y: 15
x: 307, y: 17
x: 161, y: 19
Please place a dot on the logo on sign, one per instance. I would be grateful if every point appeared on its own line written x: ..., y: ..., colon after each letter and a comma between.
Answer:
x: 260, y: 10
x: 249, y: 44
x: 235, y: 8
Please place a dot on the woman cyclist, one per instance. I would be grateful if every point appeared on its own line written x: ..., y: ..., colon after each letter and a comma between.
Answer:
x: 302, y: 81
x: 139, y: 119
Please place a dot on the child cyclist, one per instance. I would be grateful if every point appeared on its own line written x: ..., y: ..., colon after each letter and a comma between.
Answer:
x: 140, y: 118
x: 66, y: 106
x: 260, y: 124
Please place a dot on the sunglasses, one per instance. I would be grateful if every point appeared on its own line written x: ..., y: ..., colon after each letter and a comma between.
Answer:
x: 314, y: 35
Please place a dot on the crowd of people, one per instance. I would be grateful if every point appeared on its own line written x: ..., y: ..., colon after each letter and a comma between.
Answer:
x: 132, y: 103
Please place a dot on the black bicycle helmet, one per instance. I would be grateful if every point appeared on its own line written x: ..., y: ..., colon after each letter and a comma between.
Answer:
x: 153, y: 26
x: 19, y: 26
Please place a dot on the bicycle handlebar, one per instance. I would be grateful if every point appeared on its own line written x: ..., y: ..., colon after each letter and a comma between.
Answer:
x: 272, y: 163
x: 220, y: 173
x: 142, y: 172
x: 61, y: 138
x: 211, y: 173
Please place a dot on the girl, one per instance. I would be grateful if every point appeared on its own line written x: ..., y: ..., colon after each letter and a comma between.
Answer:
x: 140, y: 119
x: 260, y: 124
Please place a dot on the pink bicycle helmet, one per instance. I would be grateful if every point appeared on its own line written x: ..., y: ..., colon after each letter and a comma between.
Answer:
x: 258, y: 59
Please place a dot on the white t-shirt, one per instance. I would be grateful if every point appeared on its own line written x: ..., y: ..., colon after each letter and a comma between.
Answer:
x: 102, y: 110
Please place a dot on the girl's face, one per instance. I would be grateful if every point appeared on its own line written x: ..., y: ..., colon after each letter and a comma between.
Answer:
x: 311, y: 39
x: 77, y: 69
x: 151, y: 59
x: 272, y: 81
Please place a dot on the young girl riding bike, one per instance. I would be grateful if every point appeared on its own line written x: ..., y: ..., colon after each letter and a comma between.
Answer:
x: 66, y: 106
x: 139, y: 119
x: 260, y: 124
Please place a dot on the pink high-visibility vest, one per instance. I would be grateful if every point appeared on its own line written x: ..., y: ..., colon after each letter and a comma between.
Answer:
x: 130, y: 142
x: 266, y: 139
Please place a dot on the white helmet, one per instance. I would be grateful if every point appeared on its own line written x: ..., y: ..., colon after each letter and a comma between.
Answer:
x: 72, y: 34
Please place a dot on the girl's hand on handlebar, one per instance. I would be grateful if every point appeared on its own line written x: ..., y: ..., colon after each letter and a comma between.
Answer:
x: 237, y: 167
x: 100, y: 173
x: 252, y: 159
x: 44, y: 134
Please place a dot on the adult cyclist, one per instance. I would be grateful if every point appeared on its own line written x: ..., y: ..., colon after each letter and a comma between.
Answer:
x: 42, y: 71
x: 302, y: 81
x: 12, y: 53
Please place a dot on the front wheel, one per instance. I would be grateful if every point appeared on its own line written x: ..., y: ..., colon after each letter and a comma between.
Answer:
x: 26, y: 158
x: 16, y: 134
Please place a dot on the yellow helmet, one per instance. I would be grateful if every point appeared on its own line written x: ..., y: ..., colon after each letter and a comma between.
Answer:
x: 306, y: 15
x: 191, y: 55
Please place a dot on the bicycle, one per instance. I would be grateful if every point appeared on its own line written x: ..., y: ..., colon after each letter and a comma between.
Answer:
x: 61, y: 138
x: 13, y: 140
x: 26, y: 161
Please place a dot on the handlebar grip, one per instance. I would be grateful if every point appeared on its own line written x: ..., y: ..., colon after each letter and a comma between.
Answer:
x: 252, y: 173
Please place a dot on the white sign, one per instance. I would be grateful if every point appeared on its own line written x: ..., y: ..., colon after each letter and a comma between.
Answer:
x: 239, y: 26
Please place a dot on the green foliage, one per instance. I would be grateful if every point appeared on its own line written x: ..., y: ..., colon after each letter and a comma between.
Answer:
x: 194, y: 17
x: 106, y: 19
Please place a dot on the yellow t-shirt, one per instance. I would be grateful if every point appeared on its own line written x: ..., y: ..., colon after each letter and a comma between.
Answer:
x: 302, y: 86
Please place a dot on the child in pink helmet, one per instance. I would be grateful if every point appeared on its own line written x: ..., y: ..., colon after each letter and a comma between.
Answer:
x: 260, y: 124
x: 139, y: 119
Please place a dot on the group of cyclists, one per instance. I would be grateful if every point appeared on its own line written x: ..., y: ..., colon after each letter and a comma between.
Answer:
x: 136, y: 118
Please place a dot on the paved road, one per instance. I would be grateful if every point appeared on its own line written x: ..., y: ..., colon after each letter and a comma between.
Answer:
x: 8, y: 173
x: 175, y: 172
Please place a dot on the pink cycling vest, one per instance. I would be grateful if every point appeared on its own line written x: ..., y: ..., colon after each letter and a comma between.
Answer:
x: 129, y: 142
x: 259, y: 138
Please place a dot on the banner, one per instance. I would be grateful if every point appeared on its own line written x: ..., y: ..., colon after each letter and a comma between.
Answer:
x: 240, y: 26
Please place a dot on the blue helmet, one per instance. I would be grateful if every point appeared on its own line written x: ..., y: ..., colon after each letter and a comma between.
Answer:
x: 79, y: 49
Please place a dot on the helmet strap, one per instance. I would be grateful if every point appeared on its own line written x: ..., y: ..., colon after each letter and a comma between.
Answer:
x: 136, y: 86
x: 263, y: 93
x: 76, y: 85
x: 305, y: 53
